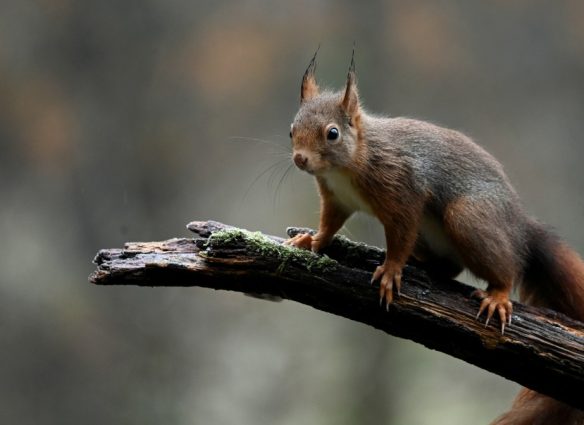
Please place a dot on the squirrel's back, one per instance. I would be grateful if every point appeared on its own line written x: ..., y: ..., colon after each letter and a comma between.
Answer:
x: 446, y: 165
x: 445, y: 161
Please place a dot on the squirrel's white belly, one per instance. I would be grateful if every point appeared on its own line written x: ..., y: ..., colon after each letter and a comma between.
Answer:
x: 340, y: 184
x: 431, y: 230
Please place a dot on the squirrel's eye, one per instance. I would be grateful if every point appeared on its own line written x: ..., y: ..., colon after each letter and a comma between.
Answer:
x: 332, y: 133
x: 290, y: 133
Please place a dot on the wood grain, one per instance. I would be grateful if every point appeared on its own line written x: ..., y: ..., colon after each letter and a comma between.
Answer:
x: 542, y: 350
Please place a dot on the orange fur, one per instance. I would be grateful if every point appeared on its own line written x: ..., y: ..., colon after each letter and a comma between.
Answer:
x: 531, y: 408
x: 556, y: 279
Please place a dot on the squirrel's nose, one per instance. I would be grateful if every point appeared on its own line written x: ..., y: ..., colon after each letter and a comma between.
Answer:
x: 300, y: 160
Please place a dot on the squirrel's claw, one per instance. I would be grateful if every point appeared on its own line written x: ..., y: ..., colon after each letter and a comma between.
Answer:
x: 390, y: 276
x: 492, y: 301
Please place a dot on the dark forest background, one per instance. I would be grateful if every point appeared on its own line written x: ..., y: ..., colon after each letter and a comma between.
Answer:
x: 124, y: 120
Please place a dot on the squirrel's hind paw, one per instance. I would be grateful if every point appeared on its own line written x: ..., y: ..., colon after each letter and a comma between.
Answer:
x: 495, y: 300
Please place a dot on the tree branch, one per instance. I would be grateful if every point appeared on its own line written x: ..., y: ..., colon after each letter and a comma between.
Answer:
x: 542, y: 350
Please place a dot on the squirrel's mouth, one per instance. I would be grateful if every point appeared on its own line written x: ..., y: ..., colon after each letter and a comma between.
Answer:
x: 306, y: 168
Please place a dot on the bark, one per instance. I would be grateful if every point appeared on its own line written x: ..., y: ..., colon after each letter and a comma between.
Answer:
x: 541, y: 349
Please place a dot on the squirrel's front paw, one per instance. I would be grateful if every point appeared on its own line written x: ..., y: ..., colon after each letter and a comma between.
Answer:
x: 301, y: 240
x: 307, y: 241
x: 390, y: 275
x: 495, y: 300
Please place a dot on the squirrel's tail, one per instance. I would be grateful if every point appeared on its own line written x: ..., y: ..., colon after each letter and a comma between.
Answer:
x: 553, y: 275
x: 553, y: 278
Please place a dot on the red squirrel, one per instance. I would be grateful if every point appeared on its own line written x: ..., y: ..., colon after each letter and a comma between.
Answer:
x: 442, y: 199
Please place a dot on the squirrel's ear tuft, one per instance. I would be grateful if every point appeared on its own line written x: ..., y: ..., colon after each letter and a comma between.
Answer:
x: 309, y: 88
x: 350, y: 102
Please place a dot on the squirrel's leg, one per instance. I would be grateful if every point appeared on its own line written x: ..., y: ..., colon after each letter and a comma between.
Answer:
x: 400, y: 241
x: 487, y: 251
x: 332, y: 218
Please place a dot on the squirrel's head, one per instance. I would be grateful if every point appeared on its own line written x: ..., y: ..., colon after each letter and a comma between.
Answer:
x: 325, y: 130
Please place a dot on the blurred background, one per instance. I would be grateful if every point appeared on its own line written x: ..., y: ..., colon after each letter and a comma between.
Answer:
x: 123, y: 120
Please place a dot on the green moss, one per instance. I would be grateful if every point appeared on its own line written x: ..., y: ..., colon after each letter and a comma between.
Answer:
x: 258, y: 243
